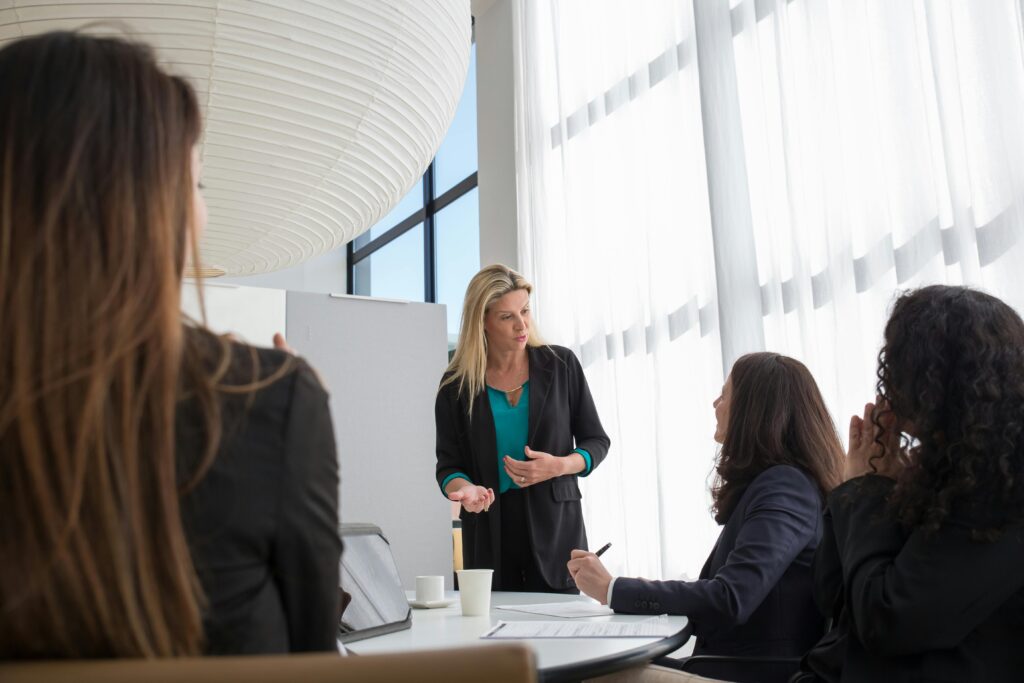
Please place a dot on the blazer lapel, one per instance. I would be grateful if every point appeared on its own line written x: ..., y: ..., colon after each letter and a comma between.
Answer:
x: 484, y: 440
x: 540, y: 386
x: 706, y: 571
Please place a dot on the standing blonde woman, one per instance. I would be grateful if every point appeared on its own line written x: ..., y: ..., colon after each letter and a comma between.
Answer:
x: 516, y: 425
x: 163, y: 491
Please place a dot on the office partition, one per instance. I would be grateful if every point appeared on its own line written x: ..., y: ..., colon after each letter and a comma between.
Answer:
x: 382, y: 361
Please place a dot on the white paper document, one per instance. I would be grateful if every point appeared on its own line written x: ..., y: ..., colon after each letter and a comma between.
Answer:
x: 655, y: 627
x: 572, y: 609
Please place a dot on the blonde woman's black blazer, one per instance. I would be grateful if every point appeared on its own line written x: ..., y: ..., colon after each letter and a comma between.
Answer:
x: 562, y: 416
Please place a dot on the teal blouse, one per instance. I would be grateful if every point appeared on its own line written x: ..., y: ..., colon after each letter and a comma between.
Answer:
x: 511, y: 429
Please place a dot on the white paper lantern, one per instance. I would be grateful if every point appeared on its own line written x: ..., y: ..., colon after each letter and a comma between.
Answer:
x: 319, y: 115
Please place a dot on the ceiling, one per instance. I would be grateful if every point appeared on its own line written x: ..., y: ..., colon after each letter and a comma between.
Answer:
x: 319, y: 114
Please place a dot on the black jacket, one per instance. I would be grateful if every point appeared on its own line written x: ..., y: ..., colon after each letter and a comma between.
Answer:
x: 562, y: 417
x: 262, y: 524
x: 754, y: 594
x: 911, y: 607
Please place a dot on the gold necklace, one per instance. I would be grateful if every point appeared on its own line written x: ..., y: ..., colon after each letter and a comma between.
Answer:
x: 510, y: 391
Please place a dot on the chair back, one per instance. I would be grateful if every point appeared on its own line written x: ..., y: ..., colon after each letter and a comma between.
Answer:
x: 502, y: 663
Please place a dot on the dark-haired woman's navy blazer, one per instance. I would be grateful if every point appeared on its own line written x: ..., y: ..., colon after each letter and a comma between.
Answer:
x: 754, y: 595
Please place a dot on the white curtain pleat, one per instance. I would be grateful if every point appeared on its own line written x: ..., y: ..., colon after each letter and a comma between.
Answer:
x: 699, y: 180
x: 883, y: 140
x: 615, y: 233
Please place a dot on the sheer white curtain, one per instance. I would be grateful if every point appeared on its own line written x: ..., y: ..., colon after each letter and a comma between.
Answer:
x: 884, y: 149
x: 698, y: 180
x: 615, y: 233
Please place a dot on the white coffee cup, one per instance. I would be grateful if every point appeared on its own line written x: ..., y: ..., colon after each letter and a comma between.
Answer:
x: 475, y: 591
x: 429, y: 588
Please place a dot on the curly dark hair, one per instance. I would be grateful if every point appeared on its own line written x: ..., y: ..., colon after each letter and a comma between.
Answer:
x: 952, y: 373
x: 776, y: 417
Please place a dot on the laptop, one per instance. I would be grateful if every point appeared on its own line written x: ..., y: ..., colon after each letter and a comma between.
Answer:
x: 373, y: 599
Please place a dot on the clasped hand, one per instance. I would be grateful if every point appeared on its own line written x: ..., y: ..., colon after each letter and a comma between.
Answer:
x: 539, y: 466
x: 865, y: 444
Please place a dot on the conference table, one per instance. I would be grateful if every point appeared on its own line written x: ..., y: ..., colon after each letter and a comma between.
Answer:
x: 558, y: 659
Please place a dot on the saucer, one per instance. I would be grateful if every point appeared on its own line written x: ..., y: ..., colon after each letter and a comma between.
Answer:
x: 431, y: 604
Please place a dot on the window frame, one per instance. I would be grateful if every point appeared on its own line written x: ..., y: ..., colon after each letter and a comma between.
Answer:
x: 431, y: 207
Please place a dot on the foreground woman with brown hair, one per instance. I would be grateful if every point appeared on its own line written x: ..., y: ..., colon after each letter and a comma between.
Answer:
x: 162, y: 491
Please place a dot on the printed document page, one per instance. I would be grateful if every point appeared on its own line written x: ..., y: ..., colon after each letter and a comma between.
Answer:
x: 656, y: 627
x: 573, y: 609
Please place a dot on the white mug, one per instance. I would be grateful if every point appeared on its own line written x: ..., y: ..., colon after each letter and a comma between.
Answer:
x: 475, y: 591
x: 429, y: 588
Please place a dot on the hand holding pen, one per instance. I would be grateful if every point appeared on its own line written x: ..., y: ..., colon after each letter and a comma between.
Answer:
x: 589, y: 573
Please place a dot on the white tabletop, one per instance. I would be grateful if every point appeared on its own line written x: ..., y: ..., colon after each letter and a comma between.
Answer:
x: 557, y: 659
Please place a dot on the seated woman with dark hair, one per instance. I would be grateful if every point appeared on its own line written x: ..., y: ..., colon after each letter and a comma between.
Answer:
x: 780, y: 457
x: 922, y: 562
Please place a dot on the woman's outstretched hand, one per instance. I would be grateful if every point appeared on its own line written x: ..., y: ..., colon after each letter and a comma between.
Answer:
x: 473, y: 498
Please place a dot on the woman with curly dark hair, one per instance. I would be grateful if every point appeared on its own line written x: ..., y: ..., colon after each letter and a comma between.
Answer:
x: 923, y: 556
x: 780, y: 457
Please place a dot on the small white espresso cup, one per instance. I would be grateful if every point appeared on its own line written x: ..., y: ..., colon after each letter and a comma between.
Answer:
x: 429, y: 588
x: 475, y: 591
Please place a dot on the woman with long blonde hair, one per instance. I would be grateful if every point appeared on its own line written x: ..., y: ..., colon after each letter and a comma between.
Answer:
x: 163, y: 491
x: 516, y: 426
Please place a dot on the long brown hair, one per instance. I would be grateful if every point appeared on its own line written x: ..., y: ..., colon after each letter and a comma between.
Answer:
x: 95, y: 208
x: 776, y: 417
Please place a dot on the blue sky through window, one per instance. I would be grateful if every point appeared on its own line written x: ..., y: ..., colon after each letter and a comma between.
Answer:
x: 396, y: 271
x: 457, y: 157
x: 458, y: 254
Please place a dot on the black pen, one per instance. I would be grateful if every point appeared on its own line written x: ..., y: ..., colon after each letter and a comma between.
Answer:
x: 497, y: 627
x: 605, y: 547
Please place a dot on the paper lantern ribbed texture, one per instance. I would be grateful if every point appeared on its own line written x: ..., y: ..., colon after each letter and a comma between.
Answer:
x: 319, y: 114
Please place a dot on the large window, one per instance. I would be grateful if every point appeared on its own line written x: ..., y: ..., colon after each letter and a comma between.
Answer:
x: 428, y: 247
